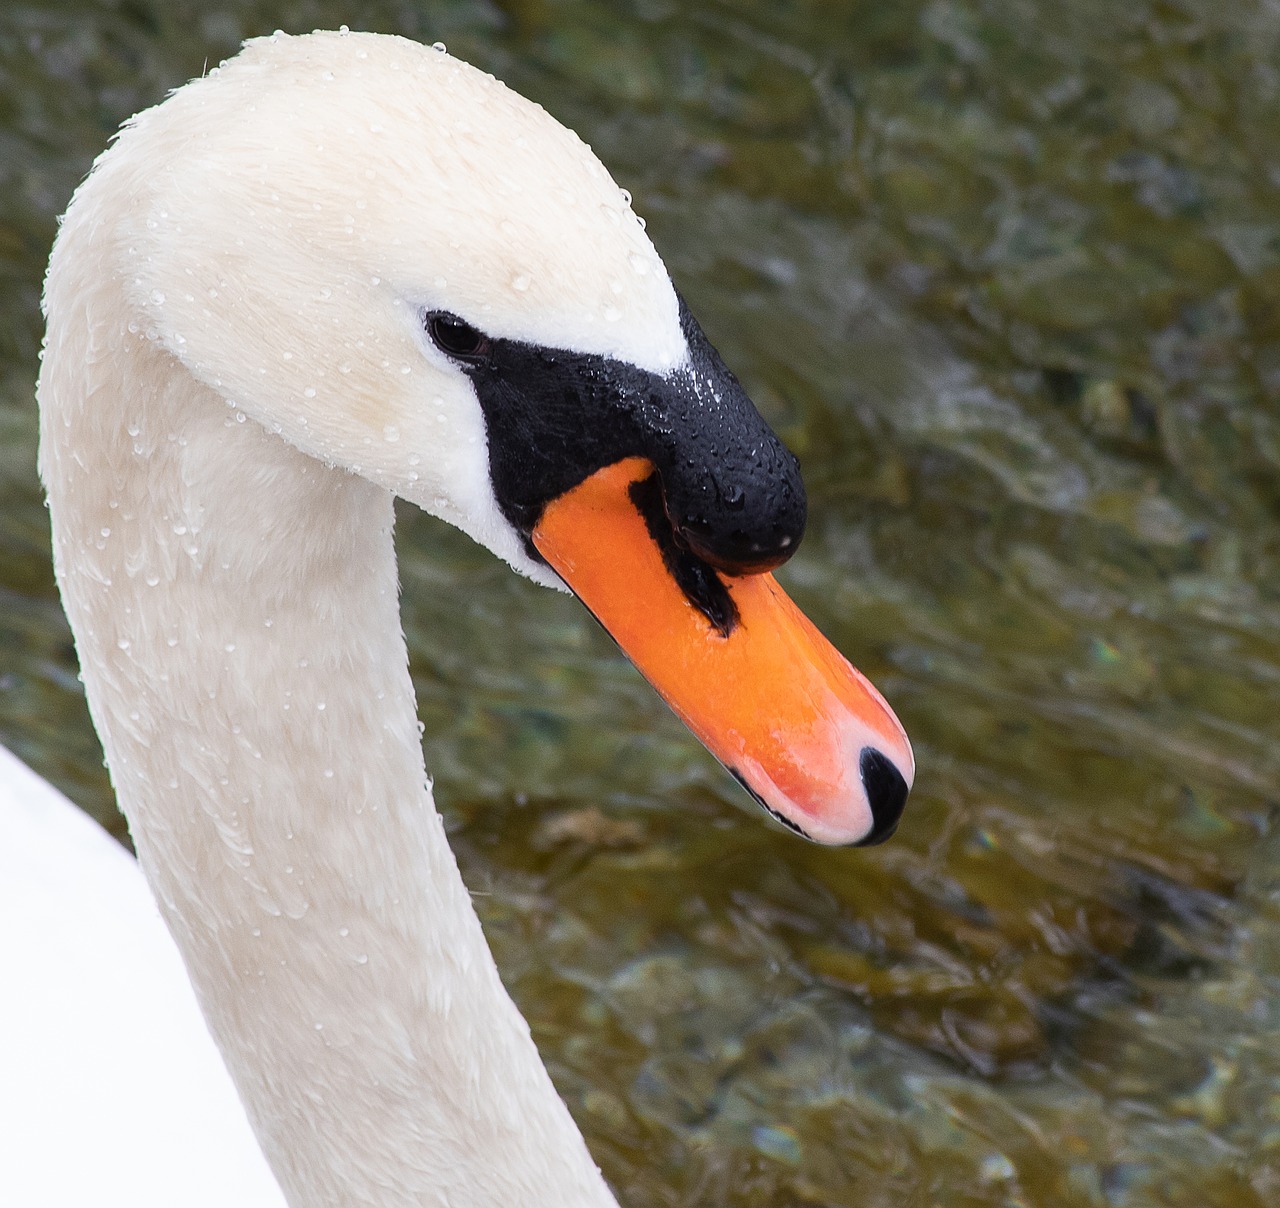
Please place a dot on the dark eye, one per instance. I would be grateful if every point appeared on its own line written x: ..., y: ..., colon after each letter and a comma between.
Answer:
x: 455, y: 338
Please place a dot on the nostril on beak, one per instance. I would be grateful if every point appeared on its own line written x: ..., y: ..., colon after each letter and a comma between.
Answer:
x: 886, y: 793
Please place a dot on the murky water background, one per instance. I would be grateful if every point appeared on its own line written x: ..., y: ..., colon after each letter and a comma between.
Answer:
x: 1006, y: 274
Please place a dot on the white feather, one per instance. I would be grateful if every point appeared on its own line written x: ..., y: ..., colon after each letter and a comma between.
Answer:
x: 235, y: 382
x: 111, y: 1090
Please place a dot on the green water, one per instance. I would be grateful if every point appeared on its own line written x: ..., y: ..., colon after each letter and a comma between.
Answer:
x: 1006, y: 274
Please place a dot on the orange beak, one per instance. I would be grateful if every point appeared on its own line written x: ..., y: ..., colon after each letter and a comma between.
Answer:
x: 800, y: 727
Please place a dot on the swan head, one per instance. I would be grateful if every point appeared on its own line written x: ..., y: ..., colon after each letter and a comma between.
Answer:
x: 407, y: 270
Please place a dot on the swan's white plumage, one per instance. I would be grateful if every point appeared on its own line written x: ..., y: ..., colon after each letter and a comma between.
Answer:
x: 111, y: 1090
x: 359, y: 181
x: 235, y: 382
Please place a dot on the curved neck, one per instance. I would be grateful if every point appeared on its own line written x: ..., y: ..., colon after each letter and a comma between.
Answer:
x: 235, y: 611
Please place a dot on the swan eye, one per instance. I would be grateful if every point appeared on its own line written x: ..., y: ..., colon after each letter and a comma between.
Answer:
x: 455, y: 338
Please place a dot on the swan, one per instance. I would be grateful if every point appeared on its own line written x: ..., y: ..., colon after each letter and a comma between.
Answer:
x: 111, y: 1089
x: 337, y: 269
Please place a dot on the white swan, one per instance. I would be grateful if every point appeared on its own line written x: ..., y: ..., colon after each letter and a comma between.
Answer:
x: 338, y: 268
x: 111, y: 1090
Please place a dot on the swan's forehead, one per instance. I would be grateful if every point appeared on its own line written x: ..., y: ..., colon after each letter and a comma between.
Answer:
x: 410, y: 166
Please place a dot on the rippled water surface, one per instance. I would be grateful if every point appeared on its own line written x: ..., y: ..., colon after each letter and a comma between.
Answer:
x: 1006, y: 274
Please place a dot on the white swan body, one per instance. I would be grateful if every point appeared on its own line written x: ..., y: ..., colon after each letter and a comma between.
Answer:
x: 253, y: 342
x: 111, y: 1089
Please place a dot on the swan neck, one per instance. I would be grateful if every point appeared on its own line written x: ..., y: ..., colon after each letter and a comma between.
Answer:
x: 235, y: 609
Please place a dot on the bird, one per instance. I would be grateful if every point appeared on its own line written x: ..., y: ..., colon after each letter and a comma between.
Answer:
x: 111, y: 1089
x: 338, y: 269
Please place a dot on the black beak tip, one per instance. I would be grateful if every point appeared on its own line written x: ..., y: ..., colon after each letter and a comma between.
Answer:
x: 886, y: 793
